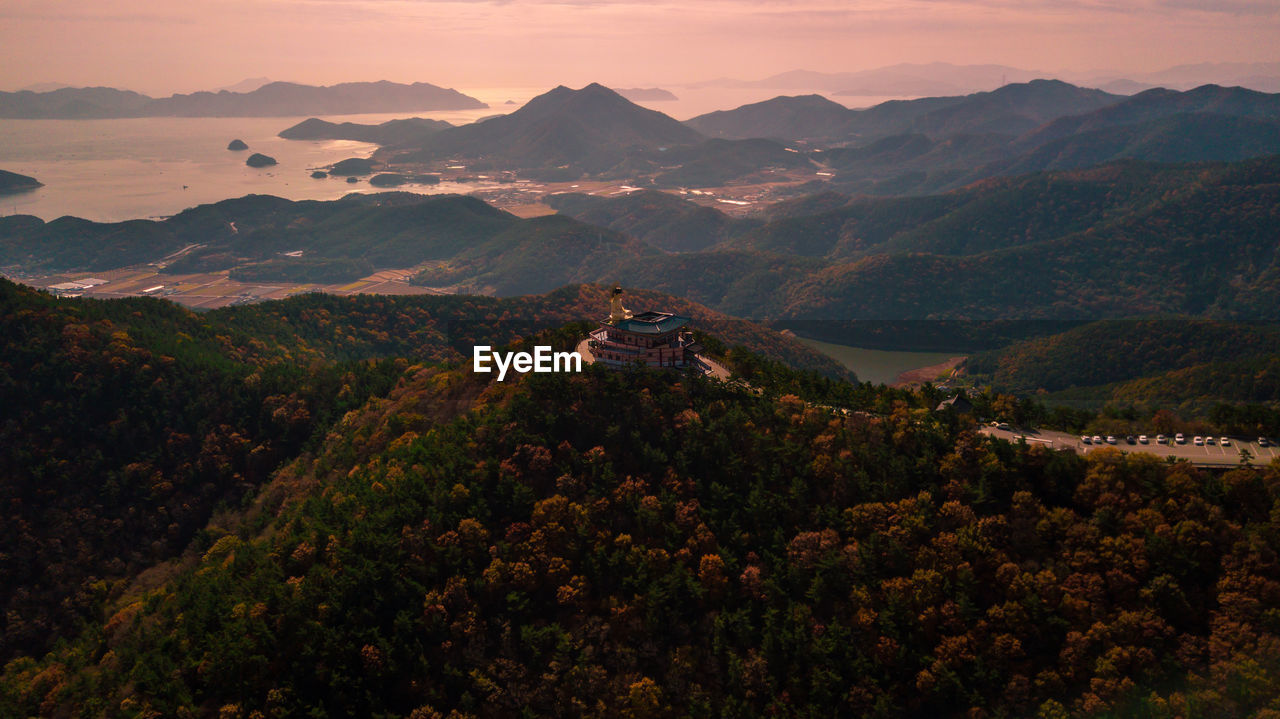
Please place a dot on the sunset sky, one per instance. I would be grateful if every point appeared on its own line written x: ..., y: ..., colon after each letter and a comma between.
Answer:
x: 161, y: 47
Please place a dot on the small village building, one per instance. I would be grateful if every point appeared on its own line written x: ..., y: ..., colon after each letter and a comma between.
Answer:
x: 959, y: 404
x: 654, y: 339
x: 67, y: 289
x: 76, y: 287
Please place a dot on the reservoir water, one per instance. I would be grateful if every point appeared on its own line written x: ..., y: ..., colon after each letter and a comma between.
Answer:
x: 878, y: 366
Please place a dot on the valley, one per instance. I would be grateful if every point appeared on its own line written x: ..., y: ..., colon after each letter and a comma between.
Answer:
x: 210, y: 290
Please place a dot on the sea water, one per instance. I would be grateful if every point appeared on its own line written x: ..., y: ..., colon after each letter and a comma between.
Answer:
x: 112, y: 170
x: 120, y: 169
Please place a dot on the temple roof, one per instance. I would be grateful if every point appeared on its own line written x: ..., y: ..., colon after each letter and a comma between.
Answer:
x: 652, y: 323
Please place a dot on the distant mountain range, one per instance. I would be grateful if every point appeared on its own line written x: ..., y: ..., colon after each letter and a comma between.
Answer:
x: 44, y: 87
x: 1011, y: 109
x: 1262, y: 76
x: 1206, y: 124
x: 1030, y: 201
x: 940, y: 78
x: 393, y: 132
x: 248, y: 84
x: 1161, y: 103
x: 1110, y: 241
x: 901, y: 147
x: 940, y: 143
x: 904, y: 79
x: 276, y: 99
x: 478, y: 245
x: 565, y: 134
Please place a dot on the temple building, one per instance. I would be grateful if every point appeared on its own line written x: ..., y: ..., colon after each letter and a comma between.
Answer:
x: 655, y: 339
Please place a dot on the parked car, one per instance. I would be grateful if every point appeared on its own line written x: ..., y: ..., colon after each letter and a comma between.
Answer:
x: 1003, y: 425
x: 1129, y: 439
x: 1142, y: 439
x: 1225, y: 441
x: 1161, y: 439
x: 1262, y: 442
x: 1199, y: 441
x: 1179, y: 438
x: 1097, y: 439
x: 1111, y: 439
x: 1084, y: 439
x: 1209, y: 441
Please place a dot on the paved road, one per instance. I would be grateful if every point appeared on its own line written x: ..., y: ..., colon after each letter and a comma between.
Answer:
x: 1206, y: 456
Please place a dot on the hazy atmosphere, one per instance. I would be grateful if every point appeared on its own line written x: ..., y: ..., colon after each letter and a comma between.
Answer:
x: 161, y: 47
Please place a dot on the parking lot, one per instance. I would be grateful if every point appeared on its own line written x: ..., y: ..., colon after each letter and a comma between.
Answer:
x: 1207, y: 456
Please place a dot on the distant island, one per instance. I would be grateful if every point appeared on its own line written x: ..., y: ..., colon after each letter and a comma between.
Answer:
x: 392, y: 132
x: 12, y: 182
x: 647, y: 94
x: 276, y: 99
x: 258, y: 159
x: 353, y: 166
x: 237, y: 145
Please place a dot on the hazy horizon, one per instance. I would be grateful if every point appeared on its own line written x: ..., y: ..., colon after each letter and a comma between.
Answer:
x: 160, y: 48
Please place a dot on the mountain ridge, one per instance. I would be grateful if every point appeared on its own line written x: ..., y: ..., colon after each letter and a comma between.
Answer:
x: 275, y: 99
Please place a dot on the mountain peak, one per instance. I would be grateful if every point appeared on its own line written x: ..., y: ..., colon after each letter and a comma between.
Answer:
x: 590, y: 129
x: 787, y: 117
x: 587, y: 102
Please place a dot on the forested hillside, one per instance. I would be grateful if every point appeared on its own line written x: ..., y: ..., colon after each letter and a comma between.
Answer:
x: 1112, y: 241
x: 1114, y: 351
x: 125, y: 425
x: 1227, y: 371
x: 637, y: 544
x: 128, y: 423
x: 658, y: 218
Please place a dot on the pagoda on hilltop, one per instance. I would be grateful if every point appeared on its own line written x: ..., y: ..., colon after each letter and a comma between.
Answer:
x: 654, y: 339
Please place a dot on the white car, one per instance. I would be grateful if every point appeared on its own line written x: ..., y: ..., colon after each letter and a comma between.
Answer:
x: 1225, y: 441
x: 1199, y: 441
x: 1111, y: 439
x: 1142, y: 439
x: 1097, y: 439
x: 1161, y: 439
x: 1262, y: 442
x: 1084, y: 439
x: 1179, y: 438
